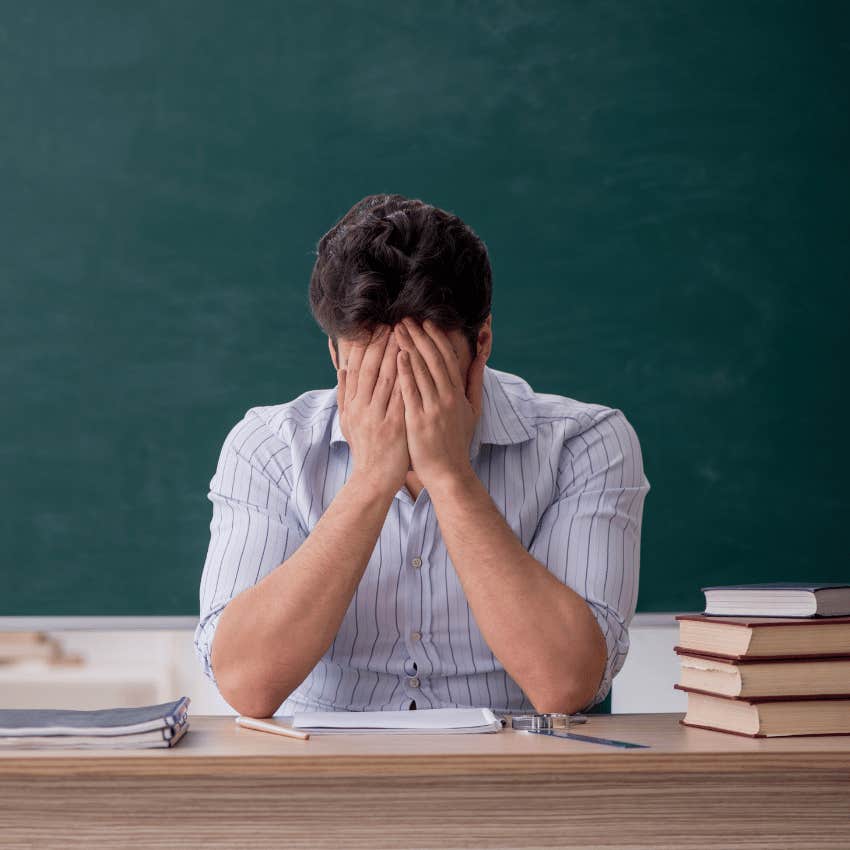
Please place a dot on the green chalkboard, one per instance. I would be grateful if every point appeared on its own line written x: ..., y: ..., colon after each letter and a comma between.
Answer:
x: 663, y: 188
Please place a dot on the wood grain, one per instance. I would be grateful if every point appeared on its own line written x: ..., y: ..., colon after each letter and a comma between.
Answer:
x: 224, y: 786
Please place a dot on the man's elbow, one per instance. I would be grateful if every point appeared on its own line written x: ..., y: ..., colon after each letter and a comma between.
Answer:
x: 241, y: 690
x: 577, y: 689
x: 569, y: 701
x: 246, y: 697
x: 251, y: 708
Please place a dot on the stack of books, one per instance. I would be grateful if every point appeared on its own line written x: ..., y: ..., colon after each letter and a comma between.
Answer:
x: 140, y: 727
x: 766, y: 660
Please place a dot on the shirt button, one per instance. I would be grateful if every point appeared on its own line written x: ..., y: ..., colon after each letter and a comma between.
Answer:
x: 415, y: 635
x: 417, y: 562
x: 414, y: 682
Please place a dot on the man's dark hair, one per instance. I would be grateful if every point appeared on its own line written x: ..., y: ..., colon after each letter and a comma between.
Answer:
x: 389, y: 257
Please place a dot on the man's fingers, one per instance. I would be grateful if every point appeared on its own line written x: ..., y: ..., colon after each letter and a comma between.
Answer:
x: 371, y: 363
x: 444, y: 344
x: 356, y: 362
x: 387, y: 375
x: 352, y: 367
x: 431, y: 358
x: 395, y: 406
x: 420, y: 373
x: 409, y: 388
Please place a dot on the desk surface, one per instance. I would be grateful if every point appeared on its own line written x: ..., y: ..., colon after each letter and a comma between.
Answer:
x: 216, y: 745
x: 223, y: 786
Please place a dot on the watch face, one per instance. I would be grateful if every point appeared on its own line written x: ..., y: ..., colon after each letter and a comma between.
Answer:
x: 539, y: 722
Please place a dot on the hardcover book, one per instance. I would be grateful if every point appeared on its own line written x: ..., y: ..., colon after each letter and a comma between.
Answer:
x: 778, y: 599
x: 767, y: 718
x: 743, y: 637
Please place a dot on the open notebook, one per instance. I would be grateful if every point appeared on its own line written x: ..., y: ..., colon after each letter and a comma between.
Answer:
x: 420, y: 721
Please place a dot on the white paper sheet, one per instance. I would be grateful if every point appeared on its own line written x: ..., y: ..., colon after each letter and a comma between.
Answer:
x: 419, y: 721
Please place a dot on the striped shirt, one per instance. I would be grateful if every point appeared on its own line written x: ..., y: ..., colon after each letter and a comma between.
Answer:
x: 566, y: 475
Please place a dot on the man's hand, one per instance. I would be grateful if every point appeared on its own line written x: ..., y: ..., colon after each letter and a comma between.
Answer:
x: 440, y: 408
x: 371, y: 410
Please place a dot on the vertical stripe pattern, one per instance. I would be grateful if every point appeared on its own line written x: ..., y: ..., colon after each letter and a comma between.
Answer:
x: 566, y: 475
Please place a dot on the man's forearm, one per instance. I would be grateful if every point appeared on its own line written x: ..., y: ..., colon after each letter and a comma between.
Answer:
x: 542, y: 631
x: 271, y: 635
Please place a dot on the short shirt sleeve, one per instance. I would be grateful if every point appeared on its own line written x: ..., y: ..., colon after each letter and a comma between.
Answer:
x: 255, y: 524
x: 589, y: 537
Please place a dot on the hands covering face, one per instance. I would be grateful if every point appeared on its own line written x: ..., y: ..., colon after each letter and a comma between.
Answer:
x: 371, y: 411
x: 441, y: 407
x: 403, y: 400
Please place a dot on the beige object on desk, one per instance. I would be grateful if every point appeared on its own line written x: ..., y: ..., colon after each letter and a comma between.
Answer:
x: 226, y: 787
x: 275, y: 727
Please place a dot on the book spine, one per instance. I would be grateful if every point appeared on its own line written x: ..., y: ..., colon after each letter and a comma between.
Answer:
x: 180, y: 714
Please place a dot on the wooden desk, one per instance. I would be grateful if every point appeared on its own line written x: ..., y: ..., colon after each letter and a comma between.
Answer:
x: 224, y: 786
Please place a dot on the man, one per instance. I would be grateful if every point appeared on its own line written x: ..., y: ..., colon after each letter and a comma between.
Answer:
x: 431, y: 532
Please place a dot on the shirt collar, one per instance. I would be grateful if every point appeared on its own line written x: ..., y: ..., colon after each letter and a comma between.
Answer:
x: 499, y: 424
